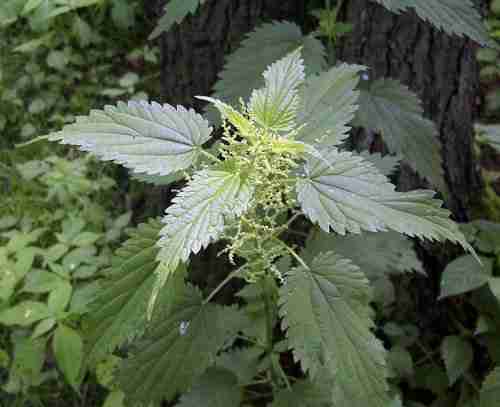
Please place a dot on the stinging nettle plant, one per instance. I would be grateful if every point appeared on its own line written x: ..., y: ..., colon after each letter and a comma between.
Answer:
x: 279, y: 160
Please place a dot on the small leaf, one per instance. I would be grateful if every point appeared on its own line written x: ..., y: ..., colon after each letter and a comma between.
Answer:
x: 275, y: 105
x: 457, y: 355
x: 86, y: 239
x: 390, y: 108
x: 490, y: 390
x: 215, y: 388
x: 175, y: 12
x: 464, y: 274
x: 328, y: 105
x: 305, y: 393
x: 68, y: 350
x: 59, y: 298
x: 401, y: 362
x: 115, y: 399
x: 43, y: 327
x: 25, y: 313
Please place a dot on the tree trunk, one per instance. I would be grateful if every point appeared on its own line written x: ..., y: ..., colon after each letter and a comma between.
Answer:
x: 440, y: 69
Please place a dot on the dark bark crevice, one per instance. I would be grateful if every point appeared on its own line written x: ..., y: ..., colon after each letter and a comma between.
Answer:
x: 440, y: 69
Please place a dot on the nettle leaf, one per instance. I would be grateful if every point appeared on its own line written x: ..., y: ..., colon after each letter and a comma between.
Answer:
x: 196, y: 217
x: 182, y: 343
x: 348, y: 194
x: 386, y: 164
x: 118, y: 313
x: 305, y: 393
x: 148, y: 138
x: 215, y: 388
x: 275, y: 105
x: 326, y: 315
x: 175, y: 12
x: 270, y: 42
x: 458, y: 17
x: 377, y: 254
x: 328, y: 105
x: 242, y: 362
x: 457, y: 354
x: 464, y: 274
x: 491, y: 133
x: 490, y: 390
x: 390, y: 108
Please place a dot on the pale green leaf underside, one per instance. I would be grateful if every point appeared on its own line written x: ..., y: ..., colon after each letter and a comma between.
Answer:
x: 175, y: 12
x: 215, y: 388
x: 148, y: 138
x: 348, y: 194
x: 275, y: 105
x: 118, y: 314
x: 458, y: 17
x: 328, y: 105
x: 270, y: 42
x: 196, y: 217
x: 386, y: 164
x: 388, y: 107
x: 457, y: 354
x: 377, y: 254
x: 326, y: 314
x: 180, y: 346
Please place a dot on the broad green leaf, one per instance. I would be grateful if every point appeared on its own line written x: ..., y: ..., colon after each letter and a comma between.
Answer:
x: 377, y: 254
x: 386, y: 164
x: 68, y: 350
x: 149, y: 138
x: 175, y: 12
x: 328, y: 105
x: 490, y: 390
x: 458, y: 17
x: 59, y: 298
x: 275, y: 105
x: 494, y: 284
x: 270, y: 42
x: 326, y: 315
x: 27, y: 364
x: 43, y: 327
x: 25, y: 313
x: 196, y: 217
x: 390, y: 108
x: 244, y: 363
x: 86, y: 239
x: 115, y: 399
x: 118, y: 313
x: 401, y: 362
x: 215, y: 388
x: 464, y: 274
x: 348, y: 194
x: 457, y: 354
x: 181, y: 345
x: 41, y: 281
x: 304, y: 393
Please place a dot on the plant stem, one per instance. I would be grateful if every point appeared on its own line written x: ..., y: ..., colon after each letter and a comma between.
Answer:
x: 296, y: 256
x: 229, y: 277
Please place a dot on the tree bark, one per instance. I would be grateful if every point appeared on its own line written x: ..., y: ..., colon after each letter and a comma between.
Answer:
x: 441, y: 69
